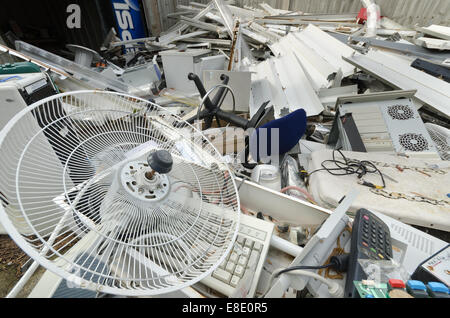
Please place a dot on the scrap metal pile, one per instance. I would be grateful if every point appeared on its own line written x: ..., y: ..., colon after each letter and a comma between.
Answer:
x: 286, y: 61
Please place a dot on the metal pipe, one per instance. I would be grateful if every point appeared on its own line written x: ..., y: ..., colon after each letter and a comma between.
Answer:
x: 23, y: 280
x: 285, y: 246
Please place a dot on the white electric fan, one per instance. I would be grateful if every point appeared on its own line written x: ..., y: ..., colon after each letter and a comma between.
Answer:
x: 115, y: 194
x: 441, y: 137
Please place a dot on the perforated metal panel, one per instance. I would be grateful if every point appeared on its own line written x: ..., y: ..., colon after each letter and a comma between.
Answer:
x: 390, y: 124
x: 400, y: 112
x: 414, y: 142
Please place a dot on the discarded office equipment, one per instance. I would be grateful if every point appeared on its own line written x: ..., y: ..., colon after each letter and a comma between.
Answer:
x: 435, y: 268
x: 441, y: 137
x: 157, y: 213
x: 415, y: 189
x: 178, y: 64
x: 17, y: 93
x: 245, y: 261
x: 294, y: 67
x: 19, y: 68
x: 410, y: 246
x: 371, y: 239
x: 315, y: 253
x: 278, y: 136
x: 268, y: 176
x: 240, y: 83
x: 381, y: 122
x: 397, y: 72
x: 212, y: 108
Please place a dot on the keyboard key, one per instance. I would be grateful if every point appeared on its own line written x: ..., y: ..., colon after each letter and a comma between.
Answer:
x: 239, y: 271
x: 245, y: 230
x: 234, y: 280
x: 222, y: 275
x: 243, y: 261
x: 223, y: 264
x: 246, y: 251
x: 233, y: 257
x: 240, y: 240
x: 257, y: 246
x: 230, y: 267
x: 253, y: 260
x: 249, y: 243
x: 260, y: 235
x: 237, y: 249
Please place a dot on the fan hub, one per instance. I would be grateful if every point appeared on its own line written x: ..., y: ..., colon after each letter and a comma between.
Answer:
x: 143, y: 183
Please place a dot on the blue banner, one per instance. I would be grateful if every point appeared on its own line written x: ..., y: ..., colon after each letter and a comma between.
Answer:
x: 129, y: 20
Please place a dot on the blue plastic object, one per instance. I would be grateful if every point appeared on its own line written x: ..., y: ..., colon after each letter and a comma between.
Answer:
x: 290, y: 129
x: 438, y: 287
x: 130, y: 23
x: 415, y: 285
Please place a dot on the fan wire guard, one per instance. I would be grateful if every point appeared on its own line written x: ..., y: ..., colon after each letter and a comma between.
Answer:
x: 441, y: 137
x: 66, y: 203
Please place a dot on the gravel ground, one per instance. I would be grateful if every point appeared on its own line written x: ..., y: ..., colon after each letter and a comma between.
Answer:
x: 11, y: 260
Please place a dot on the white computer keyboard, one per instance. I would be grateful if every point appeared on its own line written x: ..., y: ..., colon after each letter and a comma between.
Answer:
x: 251, y: 246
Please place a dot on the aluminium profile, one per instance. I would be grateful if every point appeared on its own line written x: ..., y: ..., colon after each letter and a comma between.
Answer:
x: 409, y: 49
x: 177, y: 14
x: 439, y: 31
x: 397, y: 72
x: 431, y: 43
x: 197, y: 4
x: 79, y: 71
x: 320, y: 17
x: 133, y: 41
x: 188, y: 8
x: 330, y: 49
x: 167, y: 41
x: 329, y: 96
x: 255, y: 36
x: 317, y: 68
x: 304, y: 22
x: 202, y: 25
x: 214, y: 17
x: 284, y: 82
x: 178, y: 28
x: 226, y: 15
x: 219, y: 42
x: 255, y: 27
x: 14, y: 53
x: 271, y: 11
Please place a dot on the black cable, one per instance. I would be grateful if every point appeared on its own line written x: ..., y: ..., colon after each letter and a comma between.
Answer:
x: 339, y: 263
x: 350, y: 167
x: 294, y: 268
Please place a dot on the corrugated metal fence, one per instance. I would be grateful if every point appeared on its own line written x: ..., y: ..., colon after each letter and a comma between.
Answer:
x: 406, y: 12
